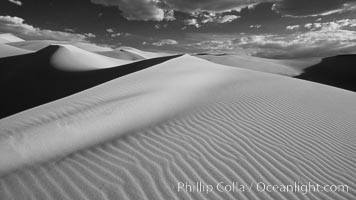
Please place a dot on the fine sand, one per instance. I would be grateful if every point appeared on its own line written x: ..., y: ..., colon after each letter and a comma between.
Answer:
x: 185, y: 120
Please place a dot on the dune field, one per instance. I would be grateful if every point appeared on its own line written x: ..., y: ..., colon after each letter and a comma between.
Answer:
x: 81, y: 122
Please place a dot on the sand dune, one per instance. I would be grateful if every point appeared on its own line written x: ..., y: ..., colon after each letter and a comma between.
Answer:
x: 274, y: 66
x: 121, y: 54
x: 36, y: 45
x: 144, y: 54
x: 70, y: 58
x: 55, y: 72
x: 338, y: 71
x: 184, y: 120
x: 6, y: 51
x: 7, y: 38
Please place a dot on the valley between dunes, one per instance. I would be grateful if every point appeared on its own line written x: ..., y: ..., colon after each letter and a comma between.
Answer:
x: 82, y: 125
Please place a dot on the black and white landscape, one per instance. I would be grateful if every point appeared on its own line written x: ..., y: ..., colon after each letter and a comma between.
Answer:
x: 177, y: 99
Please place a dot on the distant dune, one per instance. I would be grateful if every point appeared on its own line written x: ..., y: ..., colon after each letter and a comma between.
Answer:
x: 144, y: 54
x: 185, y: 120
x: 274, y: 66
x: 70, y: 58
x: 338, y: 71
x: 6, y: 51
x: 7, y: 38
x: 36, y: 45
x: 55, y: 72
x: 121, y: 54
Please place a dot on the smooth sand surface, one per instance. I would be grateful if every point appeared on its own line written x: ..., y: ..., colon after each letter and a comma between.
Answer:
x: 283, y: 67
x: 7, y: 38
x: 184, y: 120
x: 36, y: 45
x: 7, y: 51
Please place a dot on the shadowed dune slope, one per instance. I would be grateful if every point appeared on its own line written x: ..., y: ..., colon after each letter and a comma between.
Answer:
x: 7, y: 50
x: 338, y: 71
x: 37, y: 78
x: 7, y: 38
x: 185, y: 120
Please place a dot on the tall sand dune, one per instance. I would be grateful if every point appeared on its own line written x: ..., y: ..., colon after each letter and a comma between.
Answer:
x: 8, y: 37
x: 36, y: 45
x: 184, y: 121
x: 6, y: 51
x: 283, y: 67
x: 338, y: 71
x: 55, y: 72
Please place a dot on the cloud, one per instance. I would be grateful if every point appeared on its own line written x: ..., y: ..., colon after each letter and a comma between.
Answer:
x: 213, y: 45
x: 321, y: 39
x: 293, y: 27
x: 256, y: 26
x: 158, y: 10
x: 90, y: 35
x: 227, y: 19
x: 332, y: 25
x: 217, y: 18
x: 165, y: 42
x: 313, y: 7
x: 192, y: 22
x: 17, y: 2
x: 17, y: 26
x: 109, y: 30
x: 115, y: 35
x: 312, y: 40
x: 136, y: 9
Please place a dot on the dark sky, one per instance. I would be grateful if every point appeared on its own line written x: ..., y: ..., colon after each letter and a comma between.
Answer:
x: 267, y: 28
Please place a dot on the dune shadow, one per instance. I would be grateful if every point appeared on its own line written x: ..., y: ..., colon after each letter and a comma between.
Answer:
x: 338, y: 71
x: 27, y: 81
